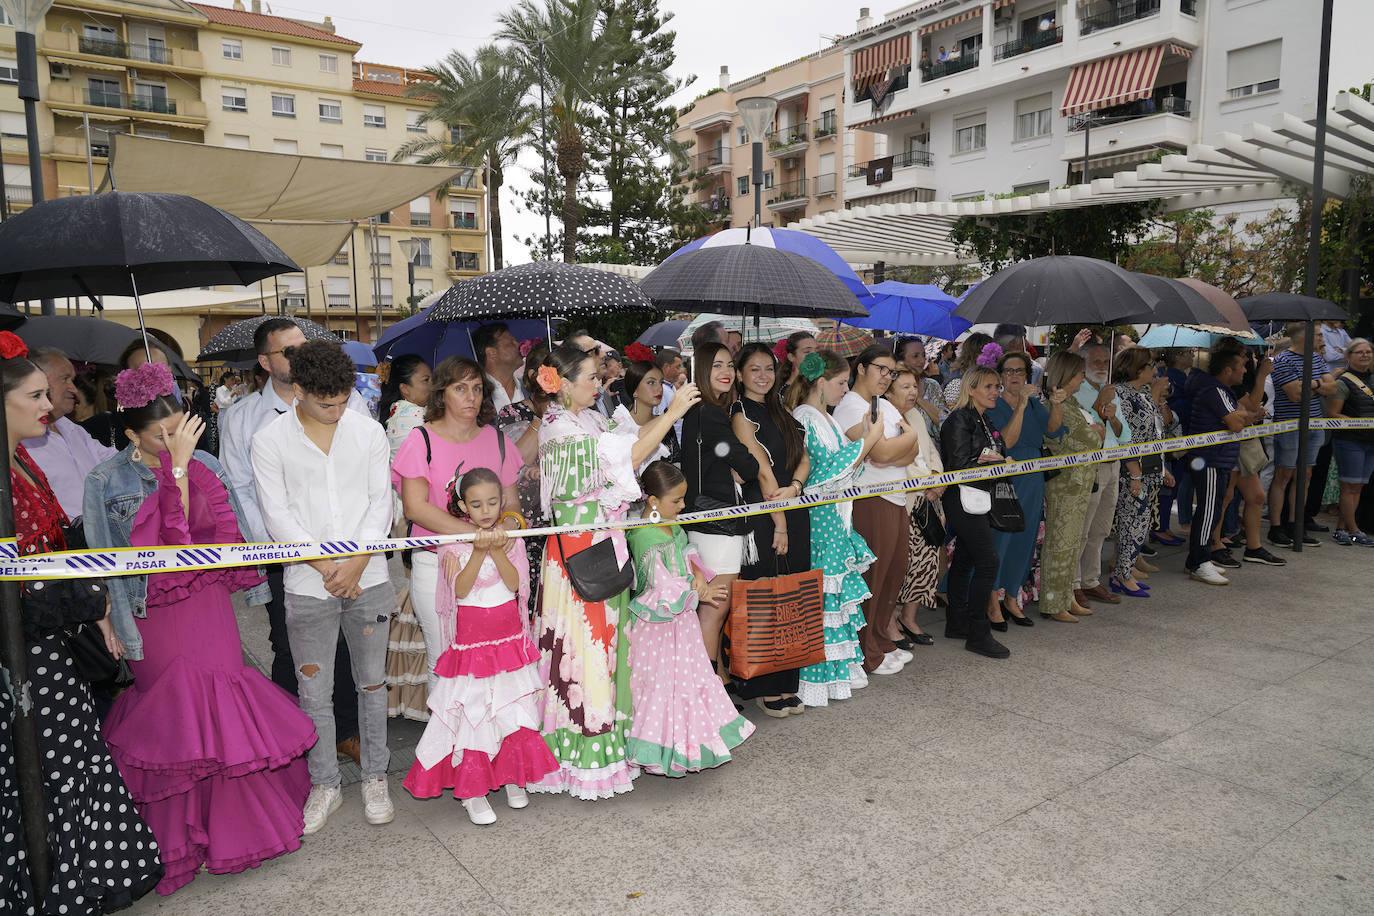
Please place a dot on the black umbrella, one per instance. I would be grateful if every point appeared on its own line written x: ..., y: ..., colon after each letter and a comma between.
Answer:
x: 1178, y: 304
x: 750, y: 280
x: 1056, y: 290
x: 1291, y: 307
x: 234, y: 342
x: 664, y: 333
x: 541, y: 289
x: 10, y: 317
x: 91, y: 340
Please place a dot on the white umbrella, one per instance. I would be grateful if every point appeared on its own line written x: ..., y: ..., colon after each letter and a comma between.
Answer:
x: 768, y: 330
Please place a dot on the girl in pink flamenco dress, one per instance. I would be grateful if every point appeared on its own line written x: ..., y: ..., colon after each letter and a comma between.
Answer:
x: 483, y: 730
x: 212, y: 751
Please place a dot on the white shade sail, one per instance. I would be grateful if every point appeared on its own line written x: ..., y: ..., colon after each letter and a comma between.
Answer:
x: 308, y: 244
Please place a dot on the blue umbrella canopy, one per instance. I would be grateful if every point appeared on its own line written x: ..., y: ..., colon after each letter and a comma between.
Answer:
x: 787, y: 240
x: 435, y: 341
x: 1195, y: 336
x: 912, y: 308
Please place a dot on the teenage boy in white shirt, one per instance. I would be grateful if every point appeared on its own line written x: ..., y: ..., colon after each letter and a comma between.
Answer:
x: 322, y: 473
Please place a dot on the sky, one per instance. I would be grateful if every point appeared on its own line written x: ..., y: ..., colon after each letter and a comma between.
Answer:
x: 747, y: 35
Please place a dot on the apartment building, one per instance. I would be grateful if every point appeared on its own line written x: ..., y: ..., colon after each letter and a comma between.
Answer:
x: 972, y: 98
x: 238, y: 77
x: 804, y: 154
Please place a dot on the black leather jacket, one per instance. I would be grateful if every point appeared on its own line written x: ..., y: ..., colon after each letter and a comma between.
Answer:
x: 963, y: 436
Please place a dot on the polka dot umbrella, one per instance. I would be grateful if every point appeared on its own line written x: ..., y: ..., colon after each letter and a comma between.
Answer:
x: 542, y: 289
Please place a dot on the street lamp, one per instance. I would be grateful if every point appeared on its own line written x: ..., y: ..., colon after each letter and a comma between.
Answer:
x: 28, y: 19
x: 411, y: 249
x: 757, y: 114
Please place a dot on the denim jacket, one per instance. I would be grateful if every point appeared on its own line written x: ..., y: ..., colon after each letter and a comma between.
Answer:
x: 115, y: 489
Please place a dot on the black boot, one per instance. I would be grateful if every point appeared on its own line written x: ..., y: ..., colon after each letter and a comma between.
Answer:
x: 980, y: 638
x: 956, y: 622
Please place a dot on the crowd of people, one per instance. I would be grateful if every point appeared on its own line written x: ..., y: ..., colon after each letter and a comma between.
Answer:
x: 574, y: 663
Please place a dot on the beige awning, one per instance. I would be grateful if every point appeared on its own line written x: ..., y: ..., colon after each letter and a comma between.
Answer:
x: 189, y: 125
x: 192, y: 301
x: 90, y: 114
x: 257, y: 185
x: 308, y: 244
x: 88, y: 64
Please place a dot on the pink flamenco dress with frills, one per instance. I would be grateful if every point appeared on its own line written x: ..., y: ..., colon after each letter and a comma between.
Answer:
x: 212, y: 751
x: 483, y: 730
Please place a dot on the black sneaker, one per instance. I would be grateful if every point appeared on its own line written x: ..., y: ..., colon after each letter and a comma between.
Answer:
x: 1148, y: 552
x: 1313, y: 525
x: 1260, y: 555
x: 1280, y: 538
x: 1310, y: 541
x: 1224, y: 558
x: 1234, y: 542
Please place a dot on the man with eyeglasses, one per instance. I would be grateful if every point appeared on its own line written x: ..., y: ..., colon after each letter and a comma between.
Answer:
x: 274, y: 341
x: 880, y: 520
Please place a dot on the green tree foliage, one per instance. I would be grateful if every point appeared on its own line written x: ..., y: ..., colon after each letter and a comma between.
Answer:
x: 1107, y: 231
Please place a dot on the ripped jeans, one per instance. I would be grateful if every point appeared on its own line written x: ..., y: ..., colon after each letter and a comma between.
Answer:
x: 312, y: 626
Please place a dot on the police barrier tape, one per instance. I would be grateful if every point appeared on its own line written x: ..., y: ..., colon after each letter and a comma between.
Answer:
x: 133, y: 561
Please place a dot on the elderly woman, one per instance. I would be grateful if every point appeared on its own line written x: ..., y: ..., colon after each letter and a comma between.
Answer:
x: 923, y: 557
x: 1066, y: 495
x: 1143, y: 407
x: 1025, y: 423
x: 969, y: 351
x: 1353, y: 448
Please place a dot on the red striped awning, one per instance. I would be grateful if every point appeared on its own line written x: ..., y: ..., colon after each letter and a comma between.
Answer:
x: 965, y: 16
x: 876, y: 60
x: 879, y: 120
x: 1178, y: 50
x: 1112, y: 81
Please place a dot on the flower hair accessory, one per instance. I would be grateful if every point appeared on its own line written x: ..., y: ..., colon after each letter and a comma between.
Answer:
x: 139, y: 387
x: 813, y: 367
x: 780, y: 350
x: 638, y: 353
x: 989, y: 355
x: 11, y: 346
x: 527, y: 346
x: 549, y: 379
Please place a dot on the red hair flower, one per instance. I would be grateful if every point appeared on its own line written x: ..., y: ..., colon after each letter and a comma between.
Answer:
x: 780, y: 350
x: 11, y: 346
x: 638, y: 353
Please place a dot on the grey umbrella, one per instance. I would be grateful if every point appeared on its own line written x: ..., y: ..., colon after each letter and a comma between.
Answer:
x: 664, y: 333
x: 91, y: 340
x: 1178, y: 304
x: 749, y: 280
x: 1056, y: 290
x: 234, y: 342
x: 1291, y: 307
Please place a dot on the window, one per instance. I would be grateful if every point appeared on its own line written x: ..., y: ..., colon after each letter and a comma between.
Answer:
x: 374, y: 116
x: 9, y: 70
x: 465, y: 260
x: 98, y: 32
x: 381, y: 255
x: 293, y: 292
x: 331, y: 110
x: 1035, y: 187
x: 742, y: 186
x: 336, y: 289
x: 1253, y: 69
x: 12, y: 124
x: 231, y: 99
x: 458, y: 135
x: 105, y: 93
x: 384, y: 298
x: 422, y: 256
x: 231, y: 48
x: 413, y: 121
x: 970, y: 133
x: 236, y: 141
x: 768, y: 179
x: 329, y: 63
x: 331, y: 150
x: 468, y: 179
x: 463, y: 213
x: 283, y: 106
x: 968, y: 195
x: 341, y: 257
x: 1033, y: 117
x: 419, y: 211
x: 155, y: 134
x: 918, y: 144
x: 281, y: 57
x: 743, y: 136
x: 284, y: 146
x: 375, y: 155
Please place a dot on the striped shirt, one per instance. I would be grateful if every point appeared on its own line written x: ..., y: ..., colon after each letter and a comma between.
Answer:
x: 1288, y: 368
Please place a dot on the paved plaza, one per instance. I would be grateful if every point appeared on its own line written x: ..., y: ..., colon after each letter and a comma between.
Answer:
x: 1210, y: 750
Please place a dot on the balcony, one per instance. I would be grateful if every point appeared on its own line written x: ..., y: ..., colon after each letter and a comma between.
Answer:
x: 825, y: 127
x: 102, y: 98
x: 1032, y: 41
x: 1118, y: 13
x: 824, y: 185
x: 1139, y: 128
x: 465, y: 261
x: 463, y: 220
x: 920, y: 158
x: 787, y: 142
x: 787, y: 195
x: 104, y: 47
x: 716, y: 206
x: 381, y: 258
x: 1133, y: 111
x: 941, y: 69
x: 155, y: 54
x: 712, y: 161
x: 19, y: 193
x: 339, y: 300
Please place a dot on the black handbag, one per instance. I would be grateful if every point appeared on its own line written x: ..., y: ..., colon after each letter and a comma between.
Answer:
x: 594, y: 571
x: 927, y: 522
x: 1151, y: 464
x: 94, y: 663
x: 1046, y: 453
x: 725, y: 527
x: 1006, y: 513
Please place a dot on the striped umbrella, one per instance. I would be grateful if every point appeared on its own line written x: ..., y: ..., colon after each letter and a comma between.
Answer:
x: 768, y: 330
x: 846, y: 340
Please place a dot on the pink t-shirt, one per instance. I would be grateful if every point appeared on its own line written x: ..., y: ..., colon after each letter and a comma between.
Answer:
x: 482, y: 452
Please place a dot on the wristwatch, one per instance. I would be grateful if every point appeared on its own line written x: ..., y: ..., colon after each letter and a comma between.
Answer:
x: 178, y: 473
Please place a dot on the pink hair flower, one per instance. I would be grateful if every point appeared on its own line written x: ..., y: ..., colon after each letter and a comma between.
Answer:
x: 780, y: 350
x: 140, y: 386
x: 527, y: 345
x: 989, y: 355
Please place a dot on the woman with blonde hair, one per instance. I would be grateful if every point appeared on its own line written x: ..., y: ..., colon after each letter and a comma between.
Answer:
x: 1066, y: 494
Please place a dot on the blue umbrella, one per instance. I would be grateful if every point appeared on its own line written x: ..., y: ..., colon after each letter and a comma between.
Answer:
x: 787, y: 240
x: 434, y: 341
x: 360, y: 353
x: 1195, y: 336
x: 664, y: 333
x: 912, y: 308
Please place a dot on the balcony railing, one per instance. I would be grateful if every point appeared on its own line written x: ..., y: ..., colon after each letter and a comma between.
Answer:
x: 102, y: 98
x: 464, y: 220
x: 968, y: 61
x: 1032, y: 41
x: 720, y: 203
x: 825, y: 126
x: 339, y: 300
x: 104, y: 47
x: 791, y: 193
x: 710, y: 159
x: 419, y: 219
x: 19, y: 193
x: 1120, y: 13
x: 785, y: 139
x: 1133, y: 111
x: 824, y: 184
x: 465, y: 260
x: 381, y: 258
x: 922, y: 158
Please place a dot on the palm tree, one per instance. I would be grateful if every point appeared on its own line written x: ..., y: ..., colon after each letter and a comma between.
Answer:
x: 583, y: 61
x: 483, y: 97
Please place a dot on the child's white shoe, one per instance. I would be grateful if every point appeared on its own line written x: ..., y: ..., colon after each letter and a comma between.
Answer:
x: 516, y: 796
x: 479, y: 811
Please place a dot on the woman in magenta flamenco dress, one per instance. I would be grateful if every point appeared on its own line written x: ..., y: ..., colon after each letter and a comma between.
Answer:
x: 211, y: 750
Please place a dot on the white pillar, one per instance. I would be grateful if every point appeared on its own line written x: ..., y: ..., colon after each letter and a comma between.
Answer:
x: 985, y: 55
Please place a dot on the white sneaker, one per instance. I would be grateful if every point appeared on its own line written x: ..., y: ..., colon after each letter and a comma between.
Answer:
x: 1207, y: 572
x: 516, y: 796
x: 889, y: 665
x: 479, y: 811
x: 377, y: 806
x: 902, y: 656
x: 322, y: 802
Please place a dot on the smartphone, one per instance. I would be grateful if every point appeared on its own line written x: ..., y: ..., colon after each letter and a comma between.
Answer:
x: 873, y: 411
